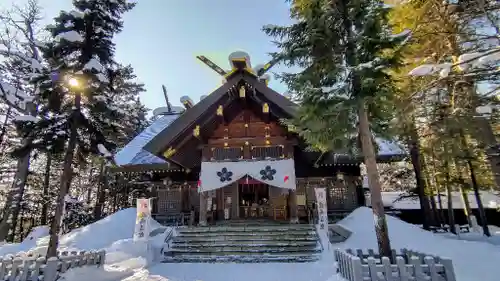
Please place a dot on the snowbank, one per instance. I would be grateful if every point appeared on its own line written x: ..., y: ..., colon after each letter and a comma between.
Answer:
x: 471, y: 260
x: 102, y: 234
x: 124, y: 257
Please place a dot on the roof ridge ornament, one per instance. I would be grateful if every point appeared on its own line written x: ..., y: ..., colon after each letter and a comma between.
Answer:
x: 169, y: 109
x: 240, y: 60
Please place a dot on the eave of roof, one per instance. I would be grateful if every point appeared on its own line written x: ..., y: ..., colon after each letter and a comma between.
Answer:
x: 134, y: 153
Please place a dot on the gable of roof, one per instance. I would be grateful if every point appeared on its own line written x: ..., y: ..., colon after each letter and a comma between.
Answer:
x: 158, y: 143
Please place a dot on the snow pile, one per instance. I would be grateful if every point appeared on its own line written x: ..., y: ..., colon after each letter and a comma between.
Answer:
x: 103, y: 150
x: 471, y: 260
x: 429, y: 69
x: 94, y: 64
x: 70, y: 36
x: 124, y: 257
x: 25, y: 118
x: 400, y: 201
x: 464, y: 62
x: 37, y: 233
x: 102, y: 234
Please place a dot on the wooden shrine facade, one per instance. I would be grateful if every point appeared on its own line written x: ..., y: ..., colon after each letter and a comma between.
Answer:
x: 239, y: 125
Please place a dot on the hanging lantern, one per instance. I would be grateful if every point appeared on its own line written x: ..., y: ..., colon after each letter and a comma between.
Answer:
x: 242, y: 91
x: 265, y: 108
x: 220, y: 110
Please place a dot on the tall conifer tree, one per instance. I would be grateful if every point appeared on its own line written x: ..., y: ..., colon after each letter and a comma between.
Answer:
x: 76, y: 104
x: 344, y: 49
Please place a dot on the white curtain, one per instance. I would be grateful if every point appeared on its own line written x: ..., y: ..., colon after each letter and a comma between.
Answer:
x: 279, y: 173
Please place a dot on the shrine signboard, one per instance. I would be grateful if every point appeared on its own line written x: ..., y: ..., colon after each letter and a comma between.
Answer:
x: 142, y: 223
x: 322, y: 209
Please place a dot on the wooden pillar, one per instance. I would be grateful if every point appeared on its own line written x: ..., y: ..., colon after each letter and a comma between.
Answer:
x: 235, y: 202
x: 292, y: 201
x: 247, y: 152
x: 203, y: 208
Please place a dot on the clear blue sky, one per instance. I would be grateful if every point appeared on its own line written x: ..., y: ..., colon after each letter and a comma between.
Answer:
x: 162, y: 37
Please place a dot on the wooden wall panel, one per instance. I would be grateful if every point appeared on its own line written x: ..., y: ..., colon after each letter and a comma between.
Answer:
x: 341, y: 195
x: 169, y: 201
x: 256, y: 127
x: 237, y: 130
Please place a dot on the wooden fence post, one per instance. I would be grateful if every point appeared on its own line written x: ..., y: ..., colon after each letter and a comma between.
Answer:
x: 102, y: 257
x: 50, y: 270
x: 38, y: 265
x: 448, y: 269
x: 3, y: 267
x: 403, y: 272
x: 16, y: 266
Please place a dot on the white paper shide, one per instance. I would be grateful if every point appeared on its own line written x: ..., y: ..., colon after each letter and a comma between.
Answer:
x: 142, y: 223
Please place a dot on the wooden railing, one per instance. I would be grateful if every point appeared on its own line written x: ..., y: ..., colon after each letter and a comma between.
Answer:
x: 227, y: 153
x: 277, y: 213
x: 38, y: 268
x: 267, y: 152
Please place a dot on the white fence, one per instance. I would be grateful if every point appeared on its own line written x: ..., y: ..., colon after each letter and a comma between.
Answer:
x: 354, y: 265
x: 33, y: 268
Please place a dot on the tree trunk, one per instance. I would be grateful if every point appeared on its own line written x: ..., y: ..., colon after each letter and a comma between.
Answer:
x: 46, y: 183
x: 13, y: 202
x: 114, y: 202
x: 373, y: 182
x: 65, y: 181
x: 4, y: 125
x: 480, y: 207
x: 438, y: 192
x: 16, y: 193
x: 434, y: 210
x: 417, y: 168
x: 101, y: 194
x: 440, y: 205
x: 451, y: 216
x: 465, y: 200
x: 475, y: 185
x: 490, y: 142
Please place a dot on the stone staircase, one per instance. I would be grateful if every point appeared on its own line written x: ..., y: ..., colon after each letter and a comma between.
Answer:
x: 245, y: 242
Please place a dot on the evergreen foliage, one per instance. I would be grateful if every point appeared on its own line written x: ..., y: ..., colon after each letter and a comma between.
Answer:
x: 320, y: 45
x: 345, y: 49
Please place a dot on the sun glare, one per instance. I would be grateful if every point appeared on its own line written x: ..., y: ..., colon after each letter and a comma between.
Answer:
x: 73, y: 82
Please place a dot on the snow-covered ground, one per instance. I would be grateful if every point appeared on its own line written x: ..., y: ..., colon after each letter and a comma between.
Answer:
x: 129, y: 261
x: 472, y: 260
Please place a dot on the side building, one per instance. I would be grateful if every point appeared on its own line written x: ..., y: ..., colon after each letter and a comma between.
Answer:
x: 229, y: 157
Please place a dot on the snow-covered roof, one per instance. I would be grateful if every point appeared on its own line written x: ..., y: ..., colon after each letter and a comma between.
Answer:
x: 386, y: 147
x: 390, y: 199
x: 133, y: 153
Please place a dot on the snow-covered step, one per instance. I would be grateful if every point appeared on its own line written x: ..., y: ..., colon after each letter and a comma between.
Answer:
x: 244, y: 243
x: 243, y: 258
x: 248, y: 243
x: 248, y: 233
x: 244, y: 249
x: 244, y: 238
x: 266, y: 228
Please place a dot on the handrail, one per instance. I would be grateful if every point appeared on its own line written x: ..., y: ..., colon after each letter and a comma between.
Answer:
x: 169, y: 235
x: 167, y: 238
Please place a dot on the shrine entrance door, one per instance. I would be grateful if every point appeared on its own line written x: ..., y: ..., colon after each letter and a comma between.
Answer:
x: 253, y: 199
